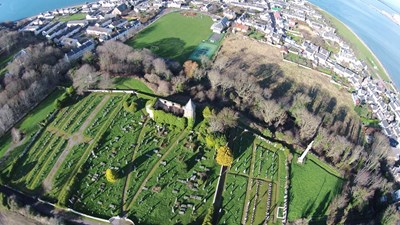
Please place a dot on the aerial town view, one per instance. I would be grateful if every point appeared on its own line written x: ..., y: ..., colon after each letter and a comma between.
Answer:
x: 237, y: 112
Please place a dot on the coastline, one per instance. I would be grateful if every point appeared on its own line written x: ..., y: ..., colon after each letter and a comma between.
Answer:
x: 375, y: 58
x: 34, y: 16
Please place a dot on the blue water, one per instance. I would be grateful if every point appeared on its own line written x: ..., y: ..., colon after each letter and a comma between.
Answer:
x: 379, y: 33
x: 18, y: 9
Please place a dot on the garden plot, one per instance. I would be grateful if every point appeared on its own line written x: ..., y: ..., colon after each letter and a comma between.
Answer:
x: 181, y: 188
x: 233, y: 199
x: 95, y: 194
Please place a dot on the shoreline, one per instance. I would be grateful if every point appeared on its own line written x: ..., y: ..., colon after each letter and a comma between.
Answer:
x: 34, y: 16
x: 376, y: 59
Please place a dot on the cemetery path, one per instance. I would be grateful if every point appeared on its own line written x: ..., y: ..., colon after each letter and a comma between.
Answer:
x: 170, y: 147
x: 128, y: 179
x: 249, y: 185
x: 92, y: 145
x: 73, y: 140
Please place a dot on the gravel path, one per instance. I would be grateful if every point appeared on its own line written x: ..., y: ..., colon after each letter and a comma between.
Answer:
x: 75, y: 139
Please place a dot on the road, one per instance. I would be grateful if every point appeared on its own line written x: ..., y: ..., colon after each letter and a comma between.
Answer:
x: 48, y: 209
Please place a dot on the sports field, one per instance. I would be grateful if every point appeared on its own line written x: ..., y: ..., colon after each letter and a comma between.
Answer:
x: 313, y: 187
x: 174, y: 35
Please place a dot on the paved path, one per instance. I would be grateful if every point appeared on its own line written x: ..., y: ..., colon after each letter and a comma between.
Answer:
x: 75, y: 139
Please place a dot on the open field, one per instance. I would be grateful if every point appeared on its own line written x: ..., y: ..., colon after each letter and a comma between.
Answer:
x: 131, y: 83
x: 76, y: 16
x: 313, y: 186
x: 361, y: 50
x: 174, y: 36
x: 253, y: 54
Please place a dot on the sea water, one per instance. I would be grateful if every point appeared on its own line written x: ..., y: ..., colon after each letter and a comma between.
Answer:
x: 377, y: 31
x: 18, y: 9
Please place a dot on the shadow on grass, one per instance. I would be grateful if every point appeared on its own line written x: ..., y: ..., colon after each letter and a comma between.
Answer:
x: 128, y: 168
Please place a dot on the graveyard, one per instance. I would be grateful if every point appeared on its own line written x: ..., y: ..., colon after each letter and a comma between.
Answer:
x: 164, y: 174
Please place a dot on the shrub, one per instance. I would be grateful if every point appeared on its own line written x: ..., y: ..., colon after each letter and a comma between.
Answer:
x: 70, y: 90
x: 224, y: 156
x: 207, y: 113
x: 208, y: 218
x: 130, y: 107
x: 168, y: 118
x: 215, y: 140
x: 111, y: 175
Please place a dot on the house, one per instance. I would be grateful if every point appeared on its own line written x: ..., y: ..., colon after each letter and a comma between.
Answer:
x: 220, y: 26
x: 229, y: 14
x: 81, y: 23
x: 121, y: 10
x: 77, y: 52
x: 240, y: 27
x: 187, y: 111
x: 93, y: 30
x: 71, y: 42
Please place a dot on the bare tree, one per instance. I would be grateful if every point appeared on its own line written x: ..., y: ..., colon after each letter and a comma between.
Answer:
x: 85, y: 77
x: 16, y: 135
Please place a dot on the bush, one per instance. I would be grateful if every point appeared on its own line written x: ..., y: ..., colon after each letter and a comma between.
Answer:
x: 215, y: 140
x: 207, y: 113
x: 208, y: 217
x: 224, y: 156
x: 130, y: 107
x: 62, y: 100
x: 70, y: 90
x: 111, y: 175
x: 168, y: 118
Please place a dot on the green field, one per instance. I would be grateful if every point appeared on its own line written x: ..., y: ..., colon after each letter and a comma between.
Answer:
x: 174, y: 36
x: 313, y: 186
x: 362, y: 52
x: 131, y: 83
x: 76, y: 16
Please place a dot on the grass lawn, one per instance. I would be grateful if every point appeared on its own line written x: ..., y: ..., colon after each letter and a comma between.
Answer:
x: 131, y: 83
x: 313, y: 186
x: 174, y: 36
x: 77, y: 16
x: 362, y: 51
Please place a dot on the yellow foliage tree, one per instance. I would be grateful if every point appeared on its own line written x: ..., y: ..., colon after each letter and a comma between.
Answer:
x: 190, y: 67
x: 224, y: 156
x: 111, y: 175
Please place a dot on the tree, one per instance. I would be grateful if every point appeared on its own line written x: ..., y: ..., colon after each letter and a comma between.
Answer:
x: 224, y: 156
x: 16, y: 135
x: 226, y: 118
x: 111, y: 175
x: 85, y: 77
x: 190, y: 68
x: 390, y: 216
x: 207, y: 113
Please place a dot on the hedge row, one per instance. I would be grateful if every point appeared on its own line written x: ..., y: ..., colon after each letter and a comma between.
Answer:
x: 168, y: 118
